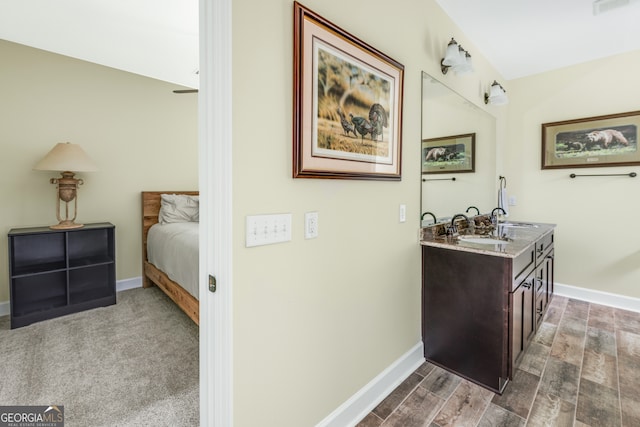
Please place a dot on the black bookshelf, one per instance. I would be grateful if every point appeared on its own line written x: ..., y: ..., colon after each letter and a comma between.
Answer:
x: 58, y: 272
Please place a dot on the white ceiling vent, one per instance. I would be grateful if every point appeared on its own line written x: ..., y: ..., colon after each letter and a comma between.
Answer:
x: 601, y: 6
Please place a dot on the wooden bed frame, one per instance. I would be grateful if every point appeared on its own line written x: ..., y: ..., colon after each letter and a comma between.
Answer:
x: 150, y: 273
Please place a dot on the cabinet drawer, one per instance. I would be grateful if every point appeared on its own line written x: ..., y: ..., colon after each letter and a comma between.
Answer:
x: 544, y: 245
x: 522, y: 265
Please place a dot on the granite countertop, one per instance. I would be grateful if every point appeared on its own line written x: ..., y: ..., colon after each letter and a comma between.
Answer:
x: 516, y: 238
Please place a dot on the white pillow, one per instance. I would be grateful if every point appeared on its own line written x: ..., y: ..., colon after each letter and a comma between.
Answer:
x: 178, y: 208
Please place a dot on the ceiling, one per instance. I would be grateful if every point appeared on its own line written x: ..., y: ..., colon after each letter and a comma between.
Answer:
x: 159, y: 38
x: 154, y: 38
x: 525, y: 37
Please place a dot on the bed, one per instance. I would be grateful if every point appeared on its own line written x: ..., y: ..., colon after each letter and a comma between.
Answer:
x: 154, y: 275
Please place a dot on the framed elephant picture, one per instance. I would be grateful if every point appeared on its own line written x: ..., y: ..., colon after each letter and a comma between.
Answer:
x: 449, y: 154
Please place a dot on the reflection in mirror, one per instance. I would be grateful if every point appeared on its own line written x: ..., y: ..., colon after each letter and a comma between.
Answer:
x: 448, y: 192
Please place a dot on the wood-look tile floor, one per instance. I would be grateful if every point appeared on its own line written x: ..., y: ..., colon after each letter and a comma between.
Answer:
x: 582, y: 369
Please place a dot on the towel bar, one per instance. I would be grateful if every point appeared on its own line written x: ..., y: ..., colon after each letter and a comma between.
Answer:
x: 438, y: 179
x: 630, y: 174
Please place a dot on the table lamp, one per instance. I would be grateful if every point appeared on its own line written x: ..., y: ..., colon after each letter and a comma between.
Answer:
x: 64, y: 158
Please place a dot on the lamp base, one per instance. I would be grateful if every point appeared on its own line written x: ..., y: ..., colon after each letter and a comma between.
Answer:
x: 66, y: 225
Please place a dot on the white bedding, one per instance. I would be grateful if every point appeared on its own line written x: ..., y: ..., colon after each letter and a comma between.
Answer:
x: 173, y: 248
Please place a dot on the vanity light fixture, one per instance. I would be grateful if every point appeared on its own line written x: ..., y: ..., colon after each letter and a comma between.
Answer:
x: 456, y: 58
x: 65, y: 158
x: 497, y: 95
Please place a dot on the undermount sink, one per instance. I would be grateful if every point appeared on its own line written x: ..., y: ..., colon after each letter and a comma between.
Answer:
x: 518, y: 224
x: 482, y: 240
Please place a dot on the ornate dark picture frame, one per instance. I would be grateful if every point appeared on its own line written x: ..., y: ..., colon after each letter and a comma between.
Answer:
x: 449, y: 154
x: 610, y: 140
x: 347, y: 106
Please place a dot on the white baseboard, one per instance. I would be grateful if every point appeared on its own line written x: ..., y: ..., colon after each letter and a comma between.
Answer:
x: 126, y: 284
x: 368, y: 397
x: 121, y: 285
x: 597, y: 297
x: 5, y: 308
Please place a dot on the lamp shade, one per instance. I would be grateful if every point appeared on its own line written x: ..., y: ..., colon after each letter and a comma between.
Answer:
x: 497, y: 95
x: 452, y: 55
x: 66, y: 156
x: 466, y: 66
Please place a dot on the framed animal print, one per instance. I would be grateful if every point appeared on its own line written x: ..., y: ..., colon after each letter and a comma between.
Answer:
x: 610, y: 140
x: 347, y: 112
x: 449, y: 154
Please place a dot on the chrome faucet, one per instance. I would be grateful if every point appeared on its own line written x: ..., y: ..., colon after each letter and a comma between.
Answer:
x: 429, y: 213
x: 494, y: 217
x: 473, y: 207
x: 453, y: 229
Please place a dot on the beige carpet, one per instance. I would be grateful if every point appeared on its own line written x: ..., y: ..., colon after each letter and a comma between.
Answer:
x: 131, y: 364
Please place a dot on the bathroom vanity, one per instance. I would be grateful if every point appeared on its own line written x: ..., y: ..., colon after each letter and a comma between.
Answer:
x: 484, y: 295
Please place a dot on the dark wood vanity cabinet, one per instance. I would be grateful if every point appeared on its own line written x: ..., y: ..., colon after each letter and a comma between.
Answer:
x: 480, y: 311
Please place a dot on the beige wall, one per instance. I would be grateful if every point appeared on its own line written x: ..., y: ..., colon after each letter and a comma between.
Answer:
x: 316, y: 320
x: 597, y: 235
x: 141, y: 135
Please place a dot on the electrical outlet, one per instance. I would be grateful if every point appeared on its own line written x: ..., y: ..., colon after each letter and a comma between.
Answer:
x: 403, y: 213
x: 513, y: 201
x: 311, y: 225
x: 267, y: 229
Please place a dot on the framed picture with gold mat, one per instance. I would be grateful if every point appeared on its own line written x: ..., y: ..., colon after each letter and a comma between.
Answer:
x: 449, y: 154
x: 347, y: 115
x: 610, y: 140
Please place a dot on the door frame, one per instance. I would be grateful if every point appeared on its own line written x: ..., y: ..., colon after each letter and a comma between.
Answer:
x: 215, y: 174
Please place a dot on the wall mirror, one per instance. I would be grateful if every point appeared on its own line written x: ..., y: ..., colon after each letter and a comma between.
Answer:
x: 447, y: 115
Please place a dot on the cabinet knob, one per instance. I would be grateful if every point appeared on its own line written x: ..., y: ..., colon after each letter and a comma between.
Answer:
x: 527, y: 285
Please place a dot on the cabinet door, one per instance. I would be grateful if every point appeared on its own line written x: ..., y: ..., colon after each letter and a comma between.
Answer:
x: 523, y: 326
x: 548, y: 277
x: 543, y: 286
x: 540, y: 293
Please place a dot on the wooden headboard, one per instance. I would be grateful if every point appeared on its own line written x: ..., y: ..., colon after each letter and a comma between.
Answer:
x: 150, y: 211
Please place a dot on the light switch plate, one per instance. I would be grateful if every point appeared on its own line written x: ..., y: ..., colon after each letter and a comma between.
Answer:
x: 311, y: 225
x: 267, y: 229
